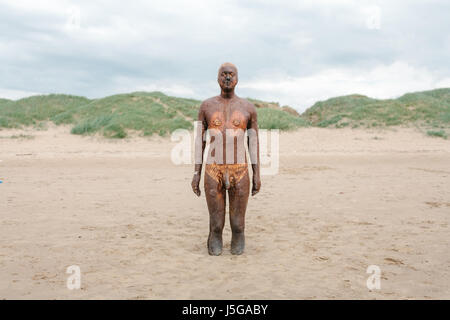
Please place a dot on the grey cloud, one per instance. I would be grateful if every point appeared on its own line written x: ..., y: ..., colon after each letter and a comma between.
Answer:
x: 120, y: 46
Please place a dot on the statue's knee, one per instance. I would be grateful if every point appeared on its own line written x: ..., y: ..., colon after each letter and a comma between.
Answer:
x: 216, y: 226
x: 237, y: 228
x: 216, y: 229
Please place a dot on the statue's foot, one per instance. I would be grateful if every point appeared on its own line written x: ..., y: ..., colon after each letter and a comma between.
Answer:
x: 237, y: 244
x: 215, y: 244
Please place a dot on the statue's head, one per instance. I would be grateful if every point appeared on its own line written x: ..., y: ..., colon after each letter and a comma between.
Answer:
x: 227, y: 77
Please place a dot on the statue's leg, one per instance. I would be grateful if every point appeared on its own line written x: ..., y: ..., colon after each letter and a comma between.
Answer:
x: 216, y: 200
x: 238, y: 196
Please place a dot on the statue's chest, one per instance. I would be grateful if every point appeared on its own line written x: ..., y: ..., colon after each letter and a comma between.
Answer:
x: 228, y: 117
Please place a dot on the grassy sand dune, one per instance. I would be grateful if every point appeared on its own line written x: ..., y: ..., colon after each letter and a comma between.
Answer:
x: 151, y: 113
x: 428, y: 108
x: 114, y: 116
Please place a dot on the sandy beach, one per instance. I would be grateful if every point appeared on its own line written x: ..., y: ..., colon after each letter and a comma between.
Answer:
x: 343, y: 199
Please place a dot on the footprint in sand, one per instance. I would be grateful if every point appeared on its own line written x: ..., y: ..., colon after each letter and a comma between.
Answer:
x: 434, y: 204
x: 394, y: 261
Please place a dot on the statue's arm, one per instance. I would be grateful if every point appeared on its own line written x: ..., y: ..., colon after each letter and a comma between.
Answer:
x: 253, y: 148
x: 200, y: 144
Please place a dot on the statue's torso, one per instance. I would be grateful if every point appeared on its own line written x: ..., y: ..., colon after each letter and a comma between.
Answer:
x: 222, y: 114
x: 229, y: 117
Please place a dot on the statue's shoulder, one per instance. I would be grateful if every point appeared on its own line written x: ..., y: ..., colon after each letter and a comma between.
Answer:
x: 248, y: 105
x: 208, y: 102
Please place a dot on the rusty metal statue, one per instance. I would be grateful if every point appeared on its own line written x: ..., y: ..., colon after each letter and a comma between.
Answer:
x: 227, y: 117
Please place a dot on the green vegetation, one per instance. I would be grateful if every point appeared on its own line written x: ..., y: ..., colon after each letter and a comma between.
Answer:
x: 3, y: 101
x: 145, y: 112
x: 149, y: 113
x: 34, y: 110
x: 115, y: 116
x: 278, y: 119
x: 428, y: 108
x: 112, y: 116
x: 22, y: 136
x: 440, y: 133
x: 19, y: 136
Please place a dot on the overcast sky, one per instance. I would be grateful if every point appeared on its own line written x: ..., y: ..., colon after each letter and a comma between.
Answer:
x: 294, y: 52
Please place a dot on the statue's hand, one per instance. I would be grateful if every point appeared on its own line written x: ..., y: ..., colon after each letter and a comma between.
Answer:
x: 195, y: 183
x: 256, y: 185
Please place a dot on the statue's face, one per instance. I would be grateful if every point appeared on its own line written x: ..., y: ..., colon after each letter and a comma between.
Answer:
x: 228, y: 78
